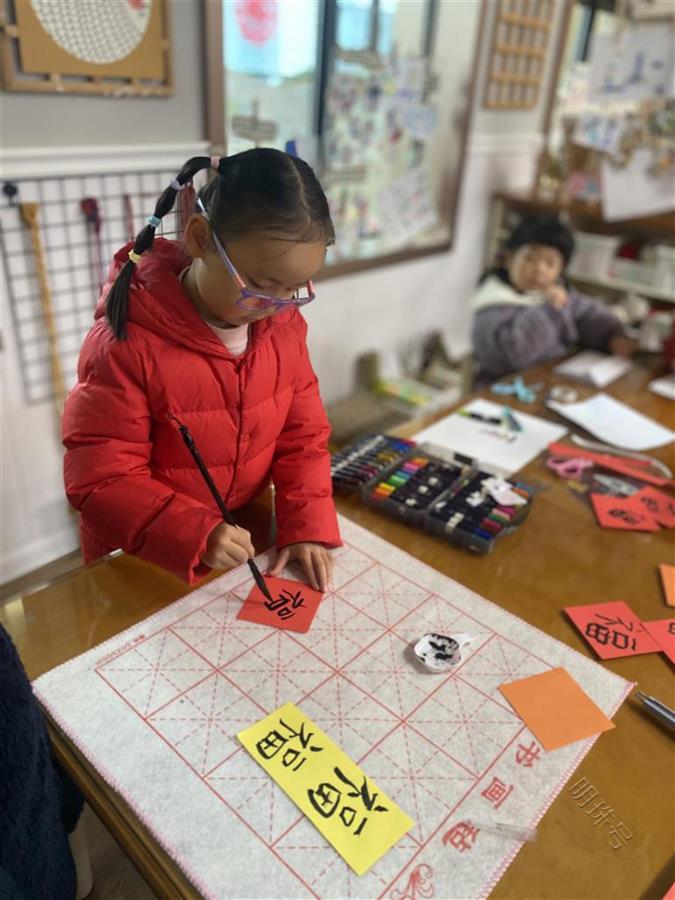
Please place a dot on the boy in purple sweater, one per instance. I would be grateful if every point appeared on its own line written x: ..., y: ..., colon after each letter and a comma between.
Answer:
x: 524, y: 314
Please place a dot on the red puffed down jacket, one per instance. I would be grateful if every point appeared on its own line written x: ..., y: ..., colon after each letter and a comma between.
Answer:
x: 254, y: 418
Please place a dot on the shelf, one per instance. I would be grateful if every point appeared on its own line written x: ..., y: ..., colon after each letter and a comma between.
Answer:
x: 589, y: 217
x: 617, y: 284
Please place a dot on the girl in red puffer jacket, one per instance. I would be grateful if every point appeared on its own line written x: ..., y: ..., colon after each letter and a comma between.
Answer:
x: 209, y: 332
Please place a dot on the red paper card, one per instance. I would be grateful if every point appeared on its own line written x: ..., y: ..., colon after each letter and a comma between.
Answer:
x: 663, y: 632
x: 612, y: 629
x: 622, y: 512
x: 668, y: 582
x: 658, y: 505
x: 293, y: 608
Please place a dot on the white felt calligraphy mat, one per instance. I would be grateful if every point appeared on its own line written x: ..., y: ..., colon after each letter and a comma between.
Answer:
x: 156, y: 710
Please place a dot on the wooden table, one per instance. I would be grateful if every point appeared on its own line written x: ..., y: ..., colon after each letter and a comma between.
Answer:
x: 558, y: 558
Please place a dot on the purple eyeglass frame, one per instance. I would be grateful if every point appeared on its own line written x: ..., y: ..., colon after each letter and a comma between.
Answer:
x: 246, y: 294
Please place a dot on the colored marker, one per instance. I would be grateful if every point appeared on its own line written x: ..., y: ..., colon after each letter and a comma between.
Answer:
x: 468, y: 414
x: 511, y: 420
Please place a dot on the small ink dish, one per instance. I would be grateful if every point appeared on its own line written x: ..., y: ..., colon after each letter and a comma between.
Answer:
x: 440, y: 652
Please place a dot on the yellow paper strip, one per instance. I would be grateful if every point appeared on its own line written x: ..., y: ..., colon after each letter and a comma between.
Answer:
x: 349, y: 810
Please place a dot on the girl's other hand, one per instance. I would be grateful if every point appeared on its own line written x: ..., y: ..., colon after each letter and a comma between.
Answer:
x: 315, y: 560
x: 228, y: 546
x: 556, y: 296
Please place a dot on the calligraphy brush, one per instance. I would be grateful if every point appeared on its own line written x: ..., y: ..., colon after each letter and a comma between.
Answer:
x: 92, y: 213
x: 224, y: 511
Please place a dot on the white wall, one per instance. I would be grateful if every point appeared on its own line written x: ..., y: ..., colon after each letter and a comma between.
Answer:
x: 375, y: 310
x: 37, y: 120
x: 36, y: 525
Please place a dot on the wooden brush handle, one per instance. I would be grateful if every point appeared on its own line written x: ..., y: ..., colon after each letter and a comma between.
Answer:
x: 30, y: 214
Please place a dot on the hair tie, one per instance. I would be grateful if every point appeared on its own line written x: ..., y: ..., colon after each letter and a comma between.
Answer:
x: 215, y: 162
x: 176, y: 185
x: 154, y: 221
x: 134, y: 257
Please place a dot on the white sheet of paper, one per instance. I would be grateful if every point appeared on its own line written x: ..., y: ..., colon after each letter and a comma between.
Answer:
x: 635, y: 64
x: 419, y: 120
x: 665, y: 386
x: 598, y: 369
x: 614, y: 422
x: 598, y: 132
x: 631, y: 192
x: 494, y: 446
x: 405, y: 205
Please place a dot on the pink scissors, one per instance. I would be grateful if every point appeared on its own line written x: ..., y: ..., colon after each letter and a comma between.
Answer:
x: 569, y: 468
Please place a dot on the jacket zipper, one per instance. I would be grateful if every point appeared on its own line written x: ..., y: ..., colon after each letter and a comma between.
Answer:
x: 240, y: 366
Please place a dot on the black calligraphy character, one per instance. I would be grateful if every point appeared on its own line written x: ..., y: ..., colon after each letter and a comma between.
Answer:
x: 625, y: 516
x: 325, y: 799
x: 610, y: 621
x: 597, y: 632
x: 302, y: 736
x: 290, y: 756
x: 272, y: 743
x: 363, y: 792
x: 622, y: 641
x: 281, y: 604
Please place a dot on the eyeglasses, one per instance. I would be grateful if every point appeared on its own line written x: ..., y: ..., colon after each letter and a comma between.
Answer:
x: 257, y: 300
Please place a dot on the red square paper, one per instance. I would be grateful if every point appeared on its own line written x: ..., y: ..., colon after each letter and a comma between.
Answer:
x: 663, y: 632
x: 622, y: 512
x: 612, y: 629
x: 293, y: 608
x: 658, y: 505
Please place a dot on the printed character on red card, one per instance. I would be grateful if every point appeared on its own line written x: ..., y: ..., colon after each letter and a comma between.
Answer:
x: 293, y: 605
x: 623, y: 512
x: 663, y: 632
x: 612, y: 629
x: 658, y: 505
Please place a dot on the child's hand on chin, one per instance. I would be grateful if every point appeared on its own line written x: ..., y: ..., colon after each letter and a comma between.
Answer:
x: 315, y: 559
x: 556, y: 296
x: 620, y: 345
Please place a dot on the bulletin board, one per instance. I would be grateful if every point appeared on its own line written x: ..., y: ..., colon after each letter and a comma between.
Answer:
x: 112, y: 47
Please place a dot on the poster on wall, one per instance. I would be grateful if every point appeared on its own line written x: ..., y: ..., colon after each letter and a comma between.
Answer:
x: 637, y: 64
x: 635, y: 190
x: 115, y: 47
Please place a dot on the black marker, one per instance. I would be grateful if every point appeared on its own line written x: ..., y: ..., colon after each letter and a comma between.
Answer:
x: 224, y: 511
x: 469, y: 414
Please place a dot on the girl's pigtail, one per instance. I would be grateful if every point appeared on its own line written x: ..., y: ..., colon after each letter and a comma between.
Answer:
x: 117, y: 301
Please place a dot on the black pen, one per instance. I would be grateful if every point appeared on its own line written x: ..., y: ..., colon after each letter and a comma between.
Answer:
x: 469, y: 414
x: 659, y: 710
x: 224, y: 511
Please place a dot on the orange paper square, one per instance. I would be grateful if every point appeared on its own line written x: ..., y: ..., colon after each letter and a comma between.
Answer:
x: 668, y: 582
x: 555, y: 709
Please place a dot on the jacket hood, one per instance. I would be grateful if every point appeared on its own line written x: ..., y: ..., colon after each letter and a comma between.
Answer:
x: 158, y: 302
x: 496, y: 292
